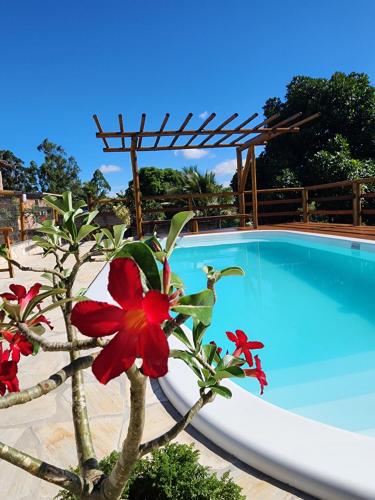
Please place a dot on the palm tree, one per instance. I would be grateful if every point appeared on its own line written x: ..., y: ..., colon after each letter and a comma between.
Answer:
x: 194, y: 181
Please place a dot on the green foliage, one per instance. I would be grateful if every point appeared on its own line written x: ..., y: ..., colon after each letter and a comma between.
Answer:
x: 16, y: 176
x: 58, y: 172
x: 178, y: 222
x: 172, y: 473
x: 342, y: 139
x: 193, y: 181
x: 97, y: 187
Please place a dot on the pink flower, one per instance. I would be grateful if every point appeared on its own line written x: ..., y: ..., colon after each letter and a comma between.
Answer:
x: 18, y: 345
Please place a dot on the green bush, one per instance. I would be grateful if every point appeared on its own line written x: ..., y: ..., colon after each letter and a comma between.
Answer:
x: 172, y: 473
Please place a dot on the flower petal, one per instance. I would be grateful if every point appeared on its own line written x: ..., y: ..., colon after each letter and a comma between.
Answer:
x: 97, y: 319
x: 116, y: 357
x: 31, y: 294
x: 8, y: 296
x: 156, y: 307
x: 241, y: 336
x: 124, y: 283
x: 154, y: 350
x: 18, y: 290
x: 8, y: 370
x: 231, y: 336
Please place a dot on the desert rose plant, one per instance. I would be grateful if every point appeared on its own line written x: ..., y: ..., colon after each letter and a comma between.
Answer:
x: 129, y: 337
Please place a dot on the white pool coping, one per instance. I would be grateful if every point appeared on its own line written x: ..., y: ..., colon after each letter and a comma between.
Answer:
x: 324, y: 461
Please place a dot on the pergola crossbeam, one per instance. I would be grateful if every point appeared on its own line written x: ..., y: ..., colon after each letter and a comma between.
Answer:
x: 261, y: 134
x: 218, y: 129
x: 180, y: 130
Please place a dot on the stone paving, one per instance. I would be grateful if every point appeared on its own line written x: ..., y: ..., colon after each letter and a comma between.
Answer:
x: 44, y: 429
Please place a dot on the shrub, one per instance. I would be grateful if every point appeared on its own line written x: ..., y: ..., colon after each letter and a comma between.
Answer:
x: 172, y: 473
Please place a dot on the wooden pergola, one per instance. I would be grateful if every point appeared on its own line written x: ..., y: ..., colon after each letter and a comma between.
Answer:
x: 240, y: 136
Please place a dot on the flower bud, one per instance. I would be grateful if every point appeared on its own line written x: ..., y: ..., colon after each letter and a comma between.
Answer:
x: 166, y: 276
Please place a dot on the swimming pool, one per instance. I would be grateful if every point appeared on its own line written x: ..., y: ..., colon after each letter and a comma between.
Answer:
x: 311, y: 302
x: 319, y: 356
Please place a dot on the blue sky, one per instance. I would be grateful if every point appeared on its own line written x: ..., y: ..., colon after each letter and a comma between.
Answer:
x: 63, y: 61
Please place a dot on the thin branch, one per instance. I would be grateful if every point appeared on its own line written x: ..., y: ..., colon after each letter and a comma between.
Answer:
x: 33, y: 269
x: 178, y: 427
x: 47, y: 385
x: 63, y: 478
x: 111, y: 487
x: 174, y: 323
x: 73, y: 345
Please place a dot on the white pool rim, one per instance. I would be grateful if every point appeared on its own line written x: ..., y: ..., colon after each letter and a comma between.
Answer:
x: 322, y: 460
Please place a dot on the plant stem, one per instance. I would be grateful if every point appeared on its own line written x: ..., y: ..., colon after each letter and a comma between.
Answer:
x: 178, y: 427
x: 112, y: 486
x: 43, y: 470
x: 47, y: 385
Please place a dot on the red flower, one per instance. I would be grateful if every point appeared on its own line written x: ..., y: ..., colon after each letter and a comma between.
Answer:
x: 8, y: 373
x: 18, y: 345
x: 257, y: 373
x: 137, y: 324
x: 243, y: 345
x: 21, y: 295
x: 218, y: 349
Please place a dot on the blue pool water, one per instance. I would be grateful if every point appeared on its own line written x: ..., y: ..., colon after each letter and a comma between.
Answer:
x: 312, y: 305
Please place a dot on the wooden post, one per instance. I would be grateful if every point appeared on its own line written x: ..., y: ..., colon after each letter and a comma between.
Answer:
x: 7, y: 244
x: 254, y: 191
x: 136, y: 187
x: 356, y: 203
x: 56, y: 216
x: 305, y: 205
x: 89, y: 202
x: 193, y: 223
x: 241, y: 188
x: 22, y: 218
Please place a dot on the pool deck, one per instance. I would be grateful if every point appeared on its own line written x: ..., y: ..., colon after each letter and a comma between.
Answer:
x: 43, y: 427
x: 345, y: 230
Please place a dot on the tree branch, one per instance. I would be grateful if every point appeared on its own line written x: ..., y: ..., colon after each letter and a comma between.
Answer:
x: 47, y: 385
x: 177, y: 321
x: 73, y: 345
x: 111, y: 487
x: 178, y: 427
x: 33, y: 269
x: 60, y: 477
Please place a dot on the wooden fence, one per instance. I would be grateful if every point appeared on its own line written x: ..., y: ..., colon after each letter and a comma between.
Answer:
x: 23, y: 212
x: 345, y: 199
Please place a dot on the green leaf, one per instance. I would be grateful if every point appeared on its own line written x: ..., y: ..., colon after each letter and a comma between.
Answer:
x: 177, y: 223
x: 198, y: 333
x: 118, y: 234
x: 187, y: 358
x: 229, y: 360
x: 232, y: 271
x: 84, y: 231
x: 181, y: 335
x: 230, y: 371
x: 208, y: 352
x: 143, y: 256
x: 222, y: 391
x: 198, y: 306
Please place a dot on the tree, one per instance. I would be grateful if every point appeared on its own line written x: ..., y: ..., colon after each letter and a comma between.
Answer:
x: 58, y: 172
x: 347, y: 107
x: 97, y: 187
x: 17, y: 177
x: 193, y: 181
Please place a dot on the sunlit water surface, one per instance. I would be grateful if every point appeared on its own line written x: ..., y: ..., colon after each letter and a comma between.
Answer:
x: 313, y: 307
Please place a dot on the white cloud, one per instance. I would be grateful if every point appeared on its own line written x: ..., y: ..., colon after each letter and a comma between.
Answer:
x: 109, y: 169
x: 194, y: 154
x: 203, y: 115
x: 225, y: 168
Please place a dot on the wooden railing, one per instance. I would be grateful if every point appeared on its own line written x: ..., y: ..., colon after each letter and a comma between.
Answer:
x: 18, y: 220
x: 305, y: 204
